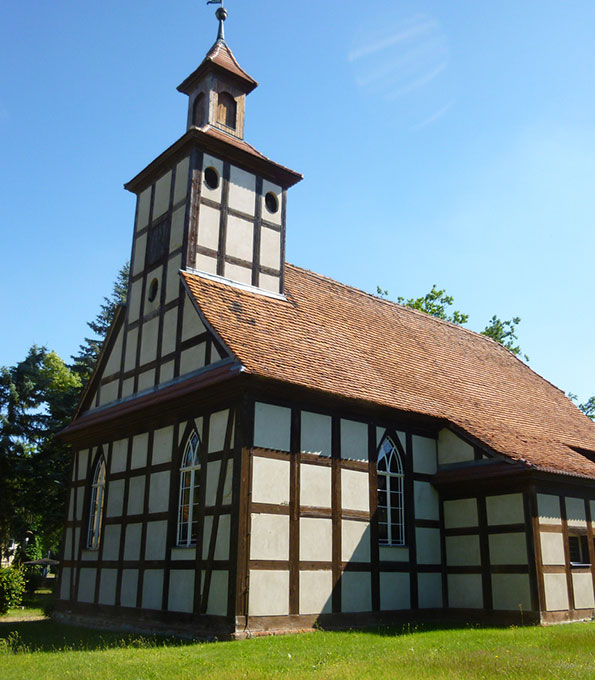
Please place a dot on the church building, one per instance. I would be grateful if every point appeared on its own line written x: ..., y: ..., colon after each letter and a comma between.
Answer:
x: 263, y: 449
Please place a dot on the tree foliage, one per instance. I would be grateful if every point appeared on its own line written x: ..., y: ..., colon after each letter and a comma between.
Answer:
x: 587, y: 407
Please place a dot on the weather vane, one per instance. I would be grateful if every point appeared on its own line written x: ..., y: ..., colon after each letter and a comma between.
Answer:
x: 221, y: 14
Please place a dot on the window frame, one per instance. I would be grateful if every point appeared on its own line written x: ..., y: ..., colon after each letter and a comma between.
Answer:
x: 582, y: 546
x: 190, y: 470
x: 96, y: 503
x: 394, y: 483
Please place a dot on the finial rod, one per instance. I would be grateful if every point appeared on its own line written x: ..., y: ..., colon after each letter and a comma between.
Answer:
x: 221, y: 14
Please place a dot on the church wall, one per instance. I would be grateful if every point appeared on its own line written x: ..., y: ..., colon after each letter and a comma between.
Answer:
x: 138, y: 564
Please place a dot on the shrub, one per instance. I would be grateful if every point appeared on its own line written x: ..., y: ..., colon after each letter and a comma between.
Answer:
x: 12, y: 587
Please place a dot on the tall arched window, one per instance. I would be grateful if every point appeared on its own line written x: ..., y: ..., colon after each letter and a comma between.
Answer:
x: 391, y: 509
x: 96, y: 507
x: 226, y: 110
x: 199, y: 114
x: 189, y: 488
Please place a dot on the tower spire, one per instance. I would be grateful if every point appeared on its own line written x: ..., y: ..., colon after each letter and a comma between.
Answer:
x: 221, y: 14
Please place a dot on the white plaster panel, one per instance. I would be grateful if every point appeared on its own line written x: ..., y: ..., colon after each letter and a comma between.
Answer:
x: 556, y: 592
x: 127, y: 387
x: 393, y: 553
x: 269, y: 593
x: 381, y: 431
x: 267, y: 186
x: 83, y: 463
x: 152, y: 589
x: 67, y: 544
x: 242, y: 190
x: 237, y: 273
x: 592, y: 505
x: 217, y: 604
x: 355, y: 490
x: 71, y: 505
x: 269, y: 538
x: 460, y: 513
x: 511, y: 592
x: 315, y: 486
x: 150, y: 336
x: 215, y: 355
x: 354, y: 440
x: 168, y: 340
x: 184, y: 553
x: 206, y: 536
x: 181, y: 183
x: 452, y: 449
x: 111, y: 542
x: 356, y: 591
x: 426, y: 501
x: 151, y: 306
x: 395, y: 591
x: 108, y: 392
x: 269, y: 282
x: 462, y: 551
x: 140, y: 248
x: 223, y: 538
x: 146, y: 380
x: 205, y: 263
x: 65, y: 583
x: 548, y: 509
x: 465, y: 591
x: 576, y: 513
x: 425, y: 456
x: 212, y: 194
x: 107, y: 586
x: 156, y: 540
x: 167, y: 372
x: 316, y: 433
x: 176, y: 234
x: 140, y: 444
x: 131, y: 345
x: 316, y: 589
x: 217, y: 430
x: 193, y: 358
x: 270, y: 481
x: 355, y: 541
x: 505, y: 509
x: 213, y: 469
x: 316, y: 539
x: 272, y: 426
x: 132, y: 541
x: 270, y: 248
x: 136, y: 495
x: 119, y: 456
x: 508, y: 548
x: 86, y: 591
x: 191, y: 322
x: 172, y: 283
x: 240, y: 238
x: 162, y: 445
x: 582, y: 585
x: 159, y: 492
x: 552, y: 548
x: 162, y: 191
x: 430, y: 591
x: 208, y: 227
x: 181, y: 590
x: 428, y: 545
x: 143, y: 208
x: 129, y: 587
x: 89, y: 555
x: 134, y: 300
x: 113, y: 364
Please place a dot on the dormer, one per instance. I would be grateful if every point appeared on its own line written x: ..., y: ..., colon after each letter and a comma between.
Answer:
x: 217, y: 89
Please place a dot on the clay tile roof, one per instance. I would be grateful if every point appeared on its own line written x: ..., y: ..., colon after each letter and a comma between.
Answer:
x: 331, y: 337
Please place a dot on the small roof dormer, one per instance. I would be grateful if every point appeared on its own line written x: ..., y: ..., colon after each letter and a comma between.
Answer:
x: 217, y: 89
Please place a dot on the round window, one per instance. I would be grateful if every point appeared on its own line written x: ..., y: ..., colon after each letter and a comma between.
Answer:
x: 211, y: 178
x: 153, y: 289
x: 271, y: 202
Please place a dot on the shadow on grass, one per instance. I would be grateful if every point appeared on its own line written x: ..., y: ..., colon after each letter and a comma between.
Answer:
x: 48, y: 636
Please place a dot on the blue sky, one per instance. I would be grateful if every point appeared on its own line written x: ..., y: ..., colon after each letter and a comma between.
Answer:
x: 441, y: 142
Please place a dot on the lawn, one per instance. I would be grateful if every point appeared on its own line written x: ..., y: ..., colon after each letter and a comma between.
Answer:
x: 43, y: 649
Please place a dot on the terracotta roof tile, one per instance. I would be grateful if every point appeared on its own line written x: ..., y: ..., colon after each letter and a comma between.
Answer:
x: 331, y: 337
x: 221, y: 55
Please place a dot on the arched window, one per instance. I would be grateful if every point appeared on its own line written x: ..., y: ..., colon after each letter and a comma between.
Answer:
x: 199, y: 117
x: 189, y: 488
x: 391, y: 510
x: 96, y: 507
x: 226, y: 110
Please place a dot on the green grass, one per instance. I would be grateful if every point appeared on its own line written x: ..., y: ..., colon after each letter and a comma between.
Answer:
x: 32, y: 605
x: 43, y: 649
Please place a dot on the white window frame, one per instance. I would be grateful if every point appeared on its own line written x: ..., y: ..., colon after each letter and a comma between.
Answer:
x: 189, y: 482
x: 96, y: 505
x: 393, y: 482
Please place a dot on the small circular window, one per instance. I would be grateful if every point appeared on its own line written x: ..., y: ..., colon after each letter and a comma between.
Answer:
x: 211, y: 178
x: 153, y: 290
x: 271, y: 202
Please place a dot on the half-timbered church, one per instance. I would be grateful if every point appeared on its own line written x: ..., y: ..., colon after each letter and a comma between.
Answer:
x: 262, y: 448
